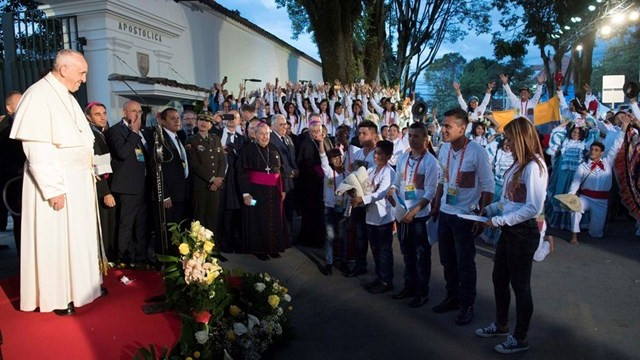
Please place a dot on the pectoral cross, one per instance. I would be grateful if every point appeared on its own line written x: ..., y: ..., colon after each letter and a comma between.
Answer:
x: 267, y: 169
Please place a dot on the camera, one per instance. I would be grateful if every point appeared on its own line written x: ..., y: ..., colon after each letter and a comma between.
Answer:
x: 226, y: 117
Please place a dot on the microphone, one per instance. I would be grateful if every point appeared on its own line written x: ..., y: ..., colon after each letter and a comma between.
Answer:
x: 252, y: 80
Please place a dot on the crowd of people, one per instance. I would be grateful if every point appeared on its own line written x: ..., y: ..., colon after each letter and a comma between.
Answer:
x: 246, y: 166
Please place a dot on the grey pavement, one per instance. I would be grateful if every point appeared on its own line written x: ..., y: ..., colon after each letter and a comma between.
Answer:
x: 586, y: 305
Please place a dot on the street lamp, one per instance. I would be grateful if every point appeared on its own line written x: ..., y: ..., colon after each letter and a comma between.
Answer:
x: 579, y: 48
x: 618, y: 18
x: 605, y: 30
x: 634, y: 16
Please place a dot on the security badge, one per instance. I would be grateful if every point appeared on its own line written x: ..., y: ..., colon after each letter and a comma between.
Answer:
x: 139, y: 155
x: 409, y: 191
x: 452, y: 196
x: 200, y: 147
x: 330, y: 183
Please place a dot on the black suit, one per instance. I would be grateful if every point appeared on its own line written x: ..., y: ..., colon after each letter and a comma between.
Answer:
x: 128, y: 184
x: 288, y: 151
x: 173, y: 176
x: 230, y: 229
x: 11, y: 166
x: 107, y: 214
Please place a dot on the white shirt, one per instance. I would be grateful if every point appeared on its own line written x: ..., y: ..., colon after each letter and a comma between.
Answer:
x: 360, y: 155
x: 522, y: 106
x: 331, y: 181
x: 399, y: 148
x: 598, y: 179
x: 479, y: 111
x: 426, y: 179
x: 525, y: 200
x: 476, y: 177
x: 379, y: 210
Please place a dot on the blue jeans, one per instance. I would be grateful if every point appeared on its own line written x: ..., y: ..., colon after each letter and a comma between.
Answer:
x: 358, y: 217
x: 457, y: 256
x: 380, y: 239
x: 416, y: 252
x: 334, y: 229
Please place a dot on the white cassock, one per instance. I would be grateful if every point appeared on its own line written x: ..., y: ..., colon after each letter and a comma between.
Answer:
x: 594, y: 183
x: 59, y: 262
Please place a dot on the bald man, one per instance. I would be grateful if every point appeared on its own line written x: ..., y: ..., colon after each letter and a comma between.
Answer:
x: 59, y: 260
x: 128, y: 184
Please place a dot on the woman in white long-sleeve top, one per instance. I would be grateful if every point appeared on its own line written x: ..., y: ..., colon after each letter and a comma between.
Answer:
x: 472, y: 108
x: 523, y: 196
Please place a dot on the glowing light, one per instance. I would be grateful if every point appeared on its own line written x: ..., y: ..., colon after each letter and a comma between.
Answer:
x: 606, y: 30
x: 566, y: 27
x: 618, y: 18
x: 592, y: 8
x: 579, y: 48
x: 634, y: 16
x: 578, y: 19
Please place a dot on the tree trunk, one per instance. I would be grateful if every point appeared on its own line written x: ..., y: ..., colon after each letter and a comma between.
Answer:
x: 333, y: 23
x: 547, y: 69
x: 375, y: 37
x: 586, y: 66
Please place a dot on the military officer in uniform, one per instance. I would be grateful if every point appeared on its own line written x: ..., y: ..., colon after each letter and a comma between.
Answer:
x: 207, y: 162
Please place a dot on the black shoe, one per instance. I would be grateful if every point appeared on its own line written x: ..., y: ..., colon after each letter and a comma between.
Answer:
x: 327, y: 269
x: 406, y: 292
x: 418, y: 301
x: 449, y: 304
x: 380, y: 288
x: 342, y: 266
x: 104, y: 291
x: 70, y: 310
x: 372, y: 284
x: 356, y: 272
x: 275, y: 255
x: 465, y: 316
x: 262, y: 257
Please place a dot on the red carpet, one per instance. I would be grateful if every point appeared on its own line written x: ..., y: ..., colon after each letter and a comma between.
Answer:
x: 112, y: 327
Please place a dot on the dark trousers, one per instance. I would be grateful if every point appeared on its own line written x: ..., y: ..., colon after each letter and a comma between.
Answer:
x: 380, y: 239
x: 512, y: 265
x: 132, y: 227
x: 416, y: 252
x: 108, y: 229
x: 358, y: 218
x: 457, y: 256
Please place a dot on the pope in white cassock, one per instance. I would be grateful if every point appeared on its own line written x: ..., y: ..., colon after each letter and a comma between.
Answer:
x: 59, y: 263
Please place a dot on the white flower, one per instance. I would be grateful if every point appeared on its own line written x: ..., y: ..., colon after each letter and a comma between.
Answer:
x: 286, y: 298
x: 260, y: 286
x: 267, y: 277
x: 252, y: 321
x: 202, y: 336
x: 279, y: 311
x: 276, y: 287
x: 239, y: 329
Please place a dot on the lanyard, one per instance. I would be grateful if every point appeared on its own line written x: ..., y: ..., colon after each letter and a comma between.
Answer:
x: 415, y: 171
x: 464, y: 148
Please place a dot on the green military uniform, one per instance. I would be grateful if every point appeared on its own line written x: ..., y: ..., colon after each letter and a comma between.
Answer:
x: 206, y: 161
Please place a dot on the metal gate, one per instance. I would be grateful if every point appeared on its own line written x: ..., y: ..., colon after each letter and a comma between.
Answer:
x: 31, y: 41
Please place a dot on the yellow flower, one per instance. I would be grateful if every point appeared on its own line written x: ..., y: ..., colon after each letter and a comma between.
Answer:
x: 188, y: 358
x: 196, y: 354
x: 283, y: 289
x: 234, y: 310
x: 273, y: 300
x: 183, y: 248
x: 195, y: 228
x: 290, y: 308
x: 208, y: 246
x: 230, y: 335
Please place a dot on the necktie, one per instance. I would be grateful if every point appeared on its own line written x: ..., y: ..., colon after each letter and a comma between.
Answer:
x: 597, y: 164
x: 182, y: 151
x: 228, y: 139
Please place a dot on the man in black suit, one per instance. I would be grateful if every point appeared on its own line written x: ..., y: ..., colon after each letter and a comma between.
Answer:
x: 232, y: 141
x: 11, y: 165
x: 283, y: 142
x: 97, y: 115
x: 175, y: 167
x: 127, y: 146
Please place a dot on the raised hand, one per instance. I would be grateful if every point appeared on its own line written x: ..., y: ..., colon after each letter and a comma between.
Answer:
x: 491, y: 86
x: 542, y: 77
x: 456, y: 86
x: 504, y: 78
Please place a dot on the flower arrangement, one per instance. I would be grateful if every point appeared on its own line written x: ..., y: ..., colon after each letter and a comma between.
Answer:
x: 226, y: 315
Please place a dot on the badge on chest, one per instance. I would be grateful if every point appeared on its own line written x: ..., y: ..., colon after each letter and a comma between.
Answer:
x: 452, y: 196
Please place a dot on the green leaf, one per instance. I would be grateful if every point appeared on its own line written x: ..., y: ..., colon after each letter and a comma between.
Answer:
x: 167, y: 258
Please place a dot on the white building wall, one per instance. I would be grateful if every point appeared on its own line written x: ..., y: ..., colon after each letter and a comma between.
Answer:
x: 187, y: 42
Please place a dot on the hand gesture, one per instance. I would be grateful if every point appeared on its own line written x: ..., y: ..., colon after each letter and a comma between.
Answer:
x: 504, y: 78
x: 456, y: 86
x: 542, y: 77
x: 247, y: 200
x: 491, y: 86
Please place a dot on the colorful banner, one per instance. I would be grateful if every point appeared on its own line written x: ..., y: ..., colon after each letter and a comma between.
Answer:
x: 504, y: 117
x: 547, y: 112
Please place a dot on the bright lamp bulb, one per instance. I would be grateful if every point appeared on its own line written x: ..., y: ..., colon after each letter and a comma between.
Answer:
x: 579, y: 48
x: 592, y: 8
x: 606, y: 30
x: 566, y: 27
x: 634, y: 16
x: 618, y: 18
